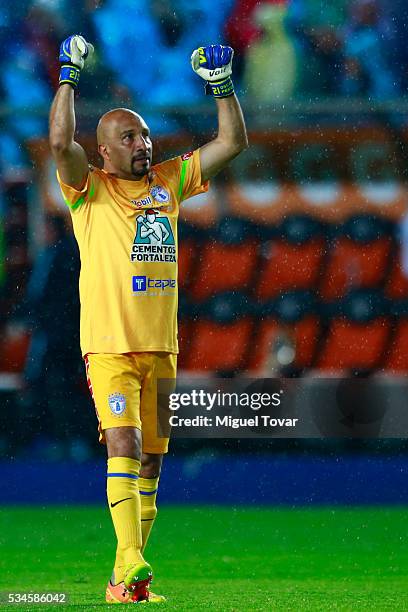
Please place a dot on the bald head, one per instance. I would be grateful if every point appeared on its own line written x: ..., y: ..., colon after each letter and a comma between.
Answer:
x: 124, y: 143
x: 114, y: 120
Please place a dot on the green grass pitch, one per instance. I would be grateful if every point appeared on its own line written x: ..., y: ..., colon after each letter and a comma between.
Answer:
x: 217, y: 558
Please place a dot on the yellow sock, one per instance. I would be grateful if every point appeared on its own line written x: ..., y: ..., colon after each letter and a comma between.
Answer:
x: 124, y: 505
x: 148, y: 492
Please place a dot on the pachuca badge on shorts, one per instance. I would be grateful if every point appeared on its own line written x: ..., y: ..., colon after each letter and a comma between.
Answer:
x: 117, y: 403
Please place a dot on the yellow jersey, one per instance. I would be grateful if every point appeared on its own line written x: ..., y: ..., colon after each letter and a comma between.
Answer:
x: 127, y: 236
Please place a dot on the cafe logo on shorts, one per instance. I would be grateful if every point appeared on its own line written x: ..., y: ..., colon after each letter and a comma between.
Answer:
x: 117, y: 403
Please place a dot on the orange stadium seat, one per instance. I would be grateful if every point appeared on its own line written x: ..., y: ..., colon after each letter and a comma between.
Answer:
x: 224, y: 267
x: 305, y: 334
x: 397, y: 283
x: 187, y: 253
x: 351, y: 345
x: 397, y: 358
x: 351, y: 264
x: 288, y: 266
x: 219, y: 347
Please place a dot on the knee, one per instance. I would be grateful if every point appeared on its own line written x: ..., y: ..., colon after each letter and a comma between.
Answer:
x: 151, y: 465
x: 124, y: 442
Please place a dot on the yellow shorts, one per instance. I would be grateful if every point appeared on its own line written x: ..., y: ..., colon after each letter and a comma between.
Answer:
x: 124, y: 389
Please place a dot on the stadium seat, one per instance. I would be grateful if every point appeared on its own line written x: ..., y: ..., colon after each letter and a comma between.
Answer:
x: 219, y: 347
x: 352, y: 345
x: 351, y: 265
x: 358, y: 258
x: 293, y: 260
x: 221, y: 333
x: 397, y: 357
x: 292, y: 316
x: 187, y: 252
x: 304, y: 334
x: 286, y: 266
x: 226, y: 263
x: 357, y: 335
x: 397, y: 283
x: 190, y: 239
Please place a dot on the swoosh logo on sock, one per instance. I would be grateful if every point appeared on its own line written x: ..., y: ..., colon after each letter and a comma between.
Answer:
x: 118, y: 502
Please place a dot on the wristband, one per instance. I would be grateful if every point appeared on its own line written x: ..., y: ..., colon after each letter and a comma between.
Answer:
x: 220, y: 89
x: 69, y: 74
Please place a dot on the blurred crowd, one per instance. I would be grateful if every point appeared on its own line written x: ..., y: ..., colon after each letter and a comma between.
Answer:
x: 284, y: 49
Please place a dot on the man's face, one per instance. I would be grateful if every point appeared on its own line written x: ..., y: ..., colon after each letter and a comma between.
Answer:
x: 128, y: 146
x: 151, y: 218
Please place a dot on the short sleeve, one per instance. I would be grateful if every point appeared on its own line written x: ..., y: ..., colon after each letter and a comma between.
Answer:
x: 75, y: 198
x: 190, y: 176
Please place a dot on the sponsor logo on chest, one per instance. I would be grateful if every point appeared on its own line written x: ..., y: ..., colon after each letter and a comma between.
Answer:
x: 154, y: 239
x: 143, y: 202
x: 158, y: 195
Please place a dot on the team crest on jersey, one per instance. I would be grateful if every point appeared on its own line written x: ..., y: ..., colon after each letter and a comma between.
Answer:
x: 160, y: 194
x: 154, y: 240
x: 117, y: 403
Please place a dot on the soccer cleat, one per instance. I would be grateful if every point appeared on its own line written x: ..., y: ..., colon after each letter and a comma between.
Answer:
x: 154, y: 599
x: 117, y: 594
x: 137, y: 579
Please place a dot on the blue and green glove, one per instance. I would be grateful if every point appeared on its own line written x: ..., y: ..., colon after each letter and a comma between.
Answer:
x: 73, y: 53
x: 214, y: 64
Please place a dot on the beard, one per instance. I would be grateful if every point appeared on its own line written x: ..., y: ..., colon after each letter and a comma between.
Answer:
x: 140, y: 167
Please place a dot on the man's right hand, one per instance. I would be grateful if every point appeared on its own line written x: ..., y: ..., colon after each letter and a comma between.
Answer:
x: 214, y: 64
x: 73, y: 53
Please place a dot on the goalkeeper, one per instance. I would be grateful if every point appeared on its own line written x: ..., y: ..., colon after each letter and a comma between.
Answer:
x: 125, y: 222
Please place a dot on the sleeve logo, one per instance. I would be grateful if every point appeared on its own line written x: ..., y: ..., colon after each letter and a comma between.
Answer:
x: 187, y: 155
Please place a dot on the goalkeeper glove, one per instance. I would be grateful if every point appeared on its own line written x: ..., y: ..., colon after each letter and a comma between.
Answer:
x: 214, y: 64
x: 73, y: 53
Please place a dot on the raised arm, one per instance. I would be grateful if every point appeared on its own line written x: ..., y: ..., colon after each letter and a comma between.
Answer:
x: 71, y: 159
x: 69, y: 156
x: 230, y: 141
x: 214, y: 64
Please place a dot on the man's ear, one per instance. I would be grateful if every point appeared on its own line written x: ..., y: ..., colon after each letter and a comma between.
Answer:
x: 103, y: 151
